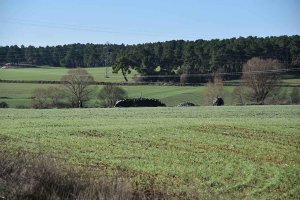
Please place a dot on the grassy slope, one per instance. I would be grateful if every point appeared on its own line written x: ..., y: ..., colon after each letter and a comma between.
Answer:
x: 55, y: 73
x: 19, y: 94
x: 232, y: 152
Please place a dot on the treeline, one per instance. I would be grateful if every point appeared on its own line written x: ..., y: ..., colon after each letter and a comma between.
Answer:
x: 163, y: 59
x: 72, y: 55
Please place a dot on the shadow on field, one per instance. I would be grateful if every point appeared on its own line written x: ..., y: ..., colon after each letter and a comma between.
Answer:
x: 25, y: 177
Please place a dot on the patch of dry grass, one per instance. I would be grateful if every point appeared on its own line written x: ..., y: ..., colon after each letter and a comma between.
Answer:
x: 25, y: 177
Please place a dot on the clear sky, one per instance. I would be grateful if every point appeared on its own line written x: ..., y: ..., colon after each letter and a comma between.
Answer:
x: 54, y: 22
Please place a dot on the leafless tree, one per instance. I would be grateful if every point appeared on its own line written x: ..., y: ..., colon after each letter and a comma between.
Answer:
x: 77, y: 83
x: 47, y: 97
x: 55, y: 95
x: 109, y: 94
x: 213, y: 89
x: 40, y: 98
x: 262, y: 76
x: 295, y: 96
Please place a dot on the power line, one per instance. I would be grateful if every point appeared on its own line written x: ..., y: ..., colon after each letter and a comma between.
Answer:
x: 92, y: 28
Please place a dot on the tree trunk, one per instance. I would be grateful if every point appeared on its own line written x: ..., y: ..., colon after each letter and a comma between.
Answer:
x: 124, y: 75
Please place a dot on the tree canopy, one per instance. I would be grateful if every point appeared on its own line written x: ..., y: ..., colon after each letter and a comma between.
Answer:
x: 162, y: 60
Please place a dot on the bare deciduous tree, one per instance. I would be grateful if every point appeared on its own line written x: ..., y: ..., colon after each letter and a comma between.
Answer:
x: 77, y: 83
x: 262, y: 76
x: 47, y: 97
x: 295, y: 96
x: 40, y: 98
x: 109, y: 94
x: 55, y: 94
x: 213, y: 89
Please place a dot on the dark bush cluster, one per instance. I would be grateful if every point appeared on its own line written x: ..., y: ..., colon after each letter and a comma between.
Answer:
x: 3, y: 104
x: 218, y: 102
x: 139, y: 102
x: 185, y: 104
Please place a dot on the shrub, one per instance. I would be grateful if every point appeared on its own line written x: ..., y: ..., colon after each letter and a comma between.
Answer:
x: 139, y: 102
x: 184, y: 78
x: 213, y: 89
x: 295, y: 96
x: 3, y: 104
x: 55, y: 95
x: 110, y: 94
x: 40, y: 98
x: 193, y: 78
x: 48, y: 98
x: 185, y: 104
x: 278, y: 96
x: 22, y: 107
x: 218, y: 102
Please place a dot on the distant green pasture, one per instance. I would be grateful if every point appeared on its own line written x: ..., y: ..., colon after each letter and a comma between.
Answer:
x: 20, y: 93
x: 55, y: 74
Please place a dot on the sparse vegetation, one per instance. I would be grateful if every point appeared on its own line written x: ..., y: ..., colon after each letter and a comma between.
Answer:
x: 238, y: 96
x: 110, y: 94
x: 51, y: 97
x: 295, y: 96
x: 23, y: 176
x: 213, y: 89
x: 40, y: 98
x: 184, y: 104
x: 3, y: 104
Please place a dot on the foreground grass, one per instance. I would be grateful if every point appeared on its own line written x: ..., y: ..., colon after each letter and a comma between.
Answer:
x: 25, y: 177
x: 227, y: 152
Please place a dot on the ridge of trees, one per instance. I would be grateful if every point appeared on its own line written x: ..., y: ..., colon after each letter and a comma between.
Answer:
x: 162, y: 60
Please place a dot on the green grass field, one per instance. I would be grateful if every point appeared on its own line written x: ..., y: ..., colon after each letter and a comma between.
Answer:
x: 17, y: 94
x: 249, y: 152
x: 55, y: 74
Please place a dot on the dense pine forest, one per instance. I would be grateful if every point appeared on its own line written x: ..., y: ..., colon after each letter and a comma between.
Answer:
x: 162, y: 59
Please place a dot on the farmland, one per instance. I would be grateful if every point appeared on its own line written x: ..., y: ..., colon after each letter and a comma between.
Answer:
x: 227, y: 152
x: 19, y: 94
x: 55, y: 73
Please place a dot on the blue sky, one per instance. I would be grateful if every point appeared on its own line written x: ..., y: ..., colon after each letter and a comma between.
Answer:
x: 56, y: 22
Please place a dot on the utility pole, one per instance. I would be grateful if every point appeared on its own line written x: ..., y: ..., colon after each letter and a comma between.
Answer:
x: 106, y: 58
x: 106, y: 68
